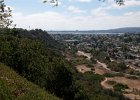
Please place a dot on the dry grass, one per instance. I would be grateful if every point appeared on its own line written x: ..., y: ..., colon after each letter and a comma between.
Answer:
x: 15, y: 87
x: 134, y: 86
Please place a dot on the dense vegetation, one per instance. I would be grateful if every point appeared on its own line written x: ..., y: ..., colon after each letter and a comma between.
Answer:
x: 37, y: 62
x: 101, y: 55
x: 119, y: 67
x: 120, y: 87
x: 36, y: 34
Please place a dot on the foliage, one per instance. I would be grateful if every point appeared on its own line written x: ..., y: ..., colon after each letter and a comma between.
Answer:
x: 101, y: 55
x: 5, y: 15
x: 113, y: 74
x: 117, y: 66
x: 54, y: 2
x: 108, y: 75
x: 37, y: 62
x: 120, y: 87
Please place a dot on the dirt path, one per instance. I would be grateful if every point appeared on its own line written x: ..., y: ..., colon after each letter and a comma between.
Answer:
x: 101, y: 68
x: 103, y: 65
x: 134, y: 86
x: 88, y: 55
x: 105, y: 85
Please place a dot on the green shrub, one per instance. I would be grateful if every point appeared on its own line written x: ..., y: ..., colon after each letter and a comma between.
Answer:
x: 117, y: 66
x: 120, y: 87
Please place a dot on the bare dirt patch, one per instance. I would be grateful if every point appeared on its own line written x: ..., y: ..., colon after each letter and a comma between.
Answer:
x: 134, y: 86
x: 83, y: 68
x: 132, y: 96
x: 99, y: 70
x: 81, y: 53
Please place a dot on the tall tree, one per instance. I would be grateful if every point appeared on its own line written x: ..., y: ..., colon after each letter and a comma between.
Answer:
x: 5, y: 15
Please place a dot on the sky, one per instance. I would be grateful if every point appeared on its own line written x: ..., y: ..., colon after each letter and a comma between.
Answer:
x: 75, y: 14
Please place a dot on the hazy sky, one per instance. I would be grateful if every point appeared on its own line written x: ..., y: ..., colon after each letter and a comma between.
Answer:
x: 75, y: 14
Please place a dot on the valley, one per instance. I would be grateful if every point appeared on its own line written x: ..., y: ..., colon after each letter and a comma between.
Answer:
x: 102, y: 54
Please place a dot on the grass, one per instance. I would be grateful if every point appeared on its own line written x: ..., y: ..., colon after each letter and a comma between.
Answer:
x: 15, y: 87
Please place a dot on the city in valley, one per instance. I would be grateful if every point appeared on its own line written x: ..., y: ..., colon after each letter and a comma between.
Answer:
x: 116, y: 56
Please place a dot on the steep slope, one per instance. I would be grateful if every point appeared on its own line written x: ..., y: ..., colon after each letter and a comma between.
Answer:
x: 38, y: 63
x: 15, y: 87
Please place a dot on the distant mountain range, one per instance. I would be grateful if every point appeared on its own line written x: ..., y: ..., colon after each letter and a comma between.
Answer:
x: 120, y: 30
x: 117, y: 30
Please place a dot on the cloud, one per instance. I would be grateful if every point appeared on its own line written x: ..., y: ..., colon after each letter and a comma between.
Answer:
x: 99, y: 12
x: 128, y: 13
x: 75, y: 10
x: 58, y: 21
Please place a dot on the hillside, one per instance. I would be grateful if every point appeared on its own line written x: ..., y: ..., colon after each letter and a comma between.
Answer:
x: 32, y: 58
x: 36, y: 34
x: 15, y: 87
x: 40, y: 35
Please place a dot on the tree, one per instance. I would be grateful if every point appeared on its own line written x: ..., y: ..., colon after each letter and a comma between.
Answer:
x: 55, y: 2
x: 5, y: 15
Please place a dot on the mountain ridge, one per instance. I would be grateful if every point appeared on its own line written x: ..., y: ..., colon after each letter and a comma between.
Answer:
x: 115, y: 30
x: 121, y: 30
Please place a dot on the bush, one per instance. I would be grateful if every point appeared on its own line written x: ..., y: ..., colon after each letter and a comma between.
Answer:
x: 120, y: 87
x: 117, y: 66
x: 108, y: 75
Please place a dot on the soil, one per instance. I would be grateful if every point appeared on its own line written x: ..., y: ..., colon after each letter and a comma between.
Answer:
x: 134, y: 86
